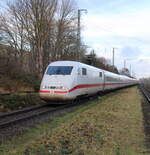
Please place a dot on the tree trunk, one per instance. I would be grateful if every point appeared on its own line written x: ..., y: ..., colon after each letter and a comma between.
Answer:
x: 41, y: 62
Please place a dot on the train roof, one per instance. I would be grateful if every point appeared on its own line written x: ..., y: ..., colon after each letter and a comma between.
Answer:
x: 64, y: 63
x: 74, y: 63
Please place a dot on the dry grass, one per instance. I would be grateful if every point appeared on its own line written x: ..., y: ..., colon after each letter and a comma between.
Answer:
x: 113, y: 127
x: 8, y: 85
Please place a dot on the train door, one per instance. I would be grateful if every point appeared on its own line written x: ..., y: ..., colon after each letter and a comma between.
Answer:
x: 103, y: 81
x: 100, y: 80
x: 83, y: 80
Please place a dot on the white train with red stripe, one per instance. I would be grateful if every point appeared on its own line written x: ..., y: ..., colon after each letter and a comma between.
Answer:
x: 68, y: 80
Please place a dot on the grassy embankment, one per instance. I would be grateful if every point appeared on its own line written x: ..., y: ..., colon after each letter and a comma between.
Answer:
x: 10, y: 84
x: 112, y: 125
x: 17, y: 100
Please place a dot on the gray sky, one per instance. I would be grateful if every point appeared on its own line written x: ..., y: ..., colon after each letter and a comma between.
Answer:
x: 124, y: 24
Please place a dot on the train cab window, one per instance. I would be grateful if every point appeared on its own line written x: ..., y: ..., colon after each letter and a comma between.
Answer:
x: 100, y: 74
x: 59, y: 70
x: 84, y: 71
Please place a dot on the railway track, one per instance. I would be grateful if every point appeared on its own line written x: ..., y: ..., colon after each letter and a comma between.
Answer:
x: 146, y: 113
x: 145, y: 92
x: 15, y: 117
x: 16, y: 123
x: 20, y: 115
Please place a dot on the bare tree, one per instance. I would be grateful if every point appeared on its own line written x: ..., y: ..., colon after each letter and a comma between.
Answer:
x: 38, y: 17
x: 44, y: 28
x: 12, y: 33
x: 65, y: 21
x: 29, y: 26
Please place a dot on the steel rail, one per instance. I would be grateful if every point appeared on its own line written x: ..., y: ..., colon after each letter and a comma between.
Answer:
x: 145, y: 92
x: 16, y: 119
x: 24, y: 110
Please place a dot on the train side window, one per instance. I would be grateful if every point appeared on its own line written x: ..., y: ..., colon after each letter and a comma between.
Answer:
x: 84, y: 72
x: 100, y: 74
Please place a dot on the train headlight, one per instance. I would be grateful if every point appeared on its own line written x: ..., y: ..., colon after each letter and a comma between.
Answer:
x: 44, y: 87
x: 53, y: 87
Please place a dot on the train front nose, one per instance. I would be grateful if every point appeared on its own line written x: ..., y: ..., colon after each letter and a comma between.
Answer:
x: 54, y: 92
x: 56, y: 83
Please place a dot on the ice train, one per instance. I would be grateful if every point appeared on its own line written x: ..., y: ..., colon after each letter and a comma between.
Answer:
x: 68, y: 80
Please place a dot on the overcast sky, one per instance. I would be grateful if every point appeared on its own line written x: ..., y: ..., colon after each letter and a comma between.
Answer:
x: 123, y: 24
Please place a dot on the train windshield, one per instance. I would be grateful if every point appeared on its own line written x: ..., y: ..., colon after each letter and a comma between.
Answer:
x: 59, y: 70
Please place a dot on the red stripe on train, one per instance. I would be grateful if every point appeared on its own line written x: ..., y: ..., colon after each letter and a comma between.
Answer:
x: 78, y: 87
x: 85, y: 86
x: 44, y: 91
x: 61, y: 92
